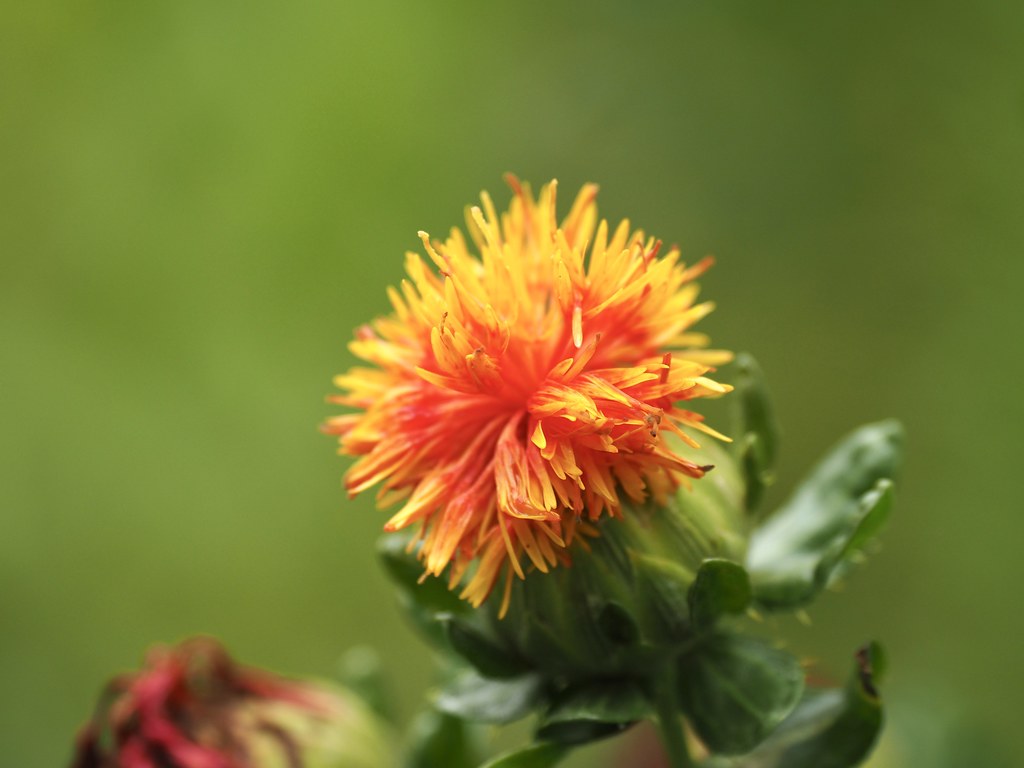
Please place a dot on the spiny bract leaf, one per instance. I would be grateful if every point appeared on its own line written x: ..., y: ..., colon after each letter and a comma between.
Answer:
x: 721, y: 587
x: 473, y: 697
x: 589, y: 712
x: 736, y: 690
x: 543, y: 755
x: 837, y: 509
x: 831, y: 728
x: 757, y: 431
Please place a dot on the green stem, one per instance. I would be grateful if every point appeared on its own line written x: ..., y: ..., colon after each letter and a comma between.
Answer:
x: 669, y: 723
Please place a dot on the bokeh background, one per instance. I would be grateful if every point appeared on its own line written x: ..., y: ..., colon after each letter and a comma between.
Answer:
x: 200, y: 200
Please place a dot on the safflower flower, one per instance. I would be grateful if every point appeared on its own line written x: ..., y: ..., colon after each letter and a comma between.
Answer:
x: 519, y: 393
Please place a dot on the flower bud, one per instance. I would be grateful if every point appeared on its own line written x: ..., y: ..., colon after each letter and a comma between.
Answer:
x: 192, y: 706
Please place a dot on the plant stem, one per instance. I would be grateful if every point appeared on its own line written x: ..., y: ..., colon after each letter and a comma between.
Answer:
x: 669, y: 723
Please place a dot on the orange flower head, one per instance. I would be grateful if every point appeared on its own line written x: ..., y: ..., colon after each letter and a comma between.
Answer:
x: 520, y: 392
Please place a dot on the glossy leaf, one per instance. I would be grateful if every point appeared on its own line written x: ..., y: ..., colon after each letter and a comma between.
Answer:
x: 831, y: 728
x: 594, y: 711
x: 473, y: 697
x: 721, y: 587
x: 736, y: 690
x: 543, y: 755
x: 839, y: 508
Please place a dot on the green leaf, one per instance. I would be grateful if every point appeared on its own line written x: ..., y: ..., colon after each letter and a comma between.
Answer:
x: 833, y: 514
x: 440, y: 739
x: 757, y: 432
x: 721, y: 587
x: 736, y: 689
x: 831, y: 728
x: 473, y: 697
x: 486, y: 655
x: 543, y: 755
x: 593, y: 711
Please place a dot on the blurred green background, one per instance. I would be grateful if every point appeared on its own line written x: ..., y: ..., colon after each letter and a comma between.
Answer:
x: 200, y: 200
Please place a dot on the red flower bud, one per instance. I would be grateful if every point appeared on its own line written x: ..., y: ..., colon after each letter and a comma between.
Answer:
x: 192, y: 706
